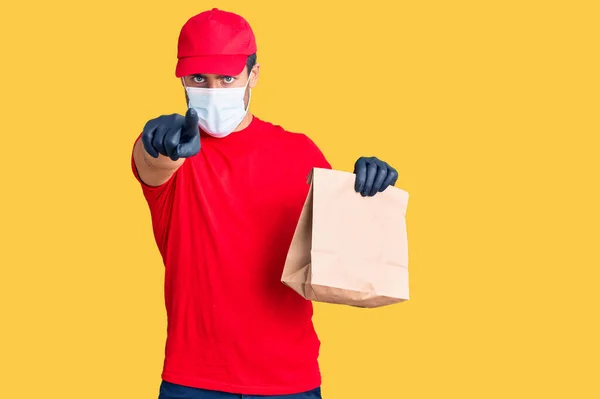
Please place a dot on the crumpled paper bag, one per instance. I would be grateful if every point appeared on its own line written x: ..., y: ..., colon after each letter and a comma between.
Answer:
x: 348, y: 249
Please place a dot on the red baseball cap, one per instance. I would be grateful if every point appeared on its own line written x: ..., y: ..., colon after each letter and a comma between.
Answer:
x: 215, y: 42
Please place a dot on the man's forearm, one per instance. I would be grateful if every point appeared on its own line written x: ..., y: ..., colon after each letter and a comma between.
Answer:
x: 154, y: 171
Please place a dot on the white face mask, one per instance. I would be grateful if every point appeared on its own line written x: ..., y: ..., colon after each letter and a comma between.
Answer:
x: 220, y: 110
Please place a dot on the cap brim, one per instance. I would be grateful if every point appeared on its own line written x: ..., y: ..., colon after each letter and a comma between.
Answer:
x: 229, y: 65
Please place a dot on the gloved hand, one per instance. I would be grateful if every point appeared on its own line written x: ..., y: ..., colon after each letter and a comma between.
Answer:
x: 173, y: 136
x: 373, y: 176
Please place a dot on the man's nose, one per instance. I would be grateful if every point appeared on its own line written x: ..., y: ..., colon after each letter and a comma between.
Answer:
x: 213, y: 83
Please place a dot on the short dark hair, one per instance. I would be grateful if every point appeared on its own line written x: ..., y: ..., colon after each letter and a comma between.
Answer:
x: 250, y: 62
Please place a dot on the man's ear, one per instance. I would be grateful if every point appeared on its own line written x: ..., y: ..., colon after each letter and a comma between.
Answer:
x: 254, y: 76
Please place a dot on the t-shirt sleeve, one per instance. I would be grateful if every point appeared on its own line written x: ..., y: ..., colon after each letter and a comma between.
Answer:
x: 316, y: 157
x: 160, y: 199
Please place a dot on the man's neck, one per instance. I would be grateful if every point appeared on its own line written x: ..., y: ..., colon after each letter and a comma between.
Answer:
x: 245, y: 122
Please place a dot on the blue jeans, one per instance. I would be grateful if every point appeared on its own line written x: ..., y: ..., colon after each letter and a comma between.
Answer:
x: 174, y: 391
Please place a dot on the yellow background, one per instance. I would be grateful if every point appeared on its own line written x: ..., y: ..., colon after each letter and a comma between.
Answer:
x: 489, y: 110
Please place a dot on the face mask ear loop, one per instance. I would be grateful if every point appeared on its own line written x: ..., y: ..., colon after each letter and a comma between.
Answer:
x: 249, y: 91
x: 248, y: 82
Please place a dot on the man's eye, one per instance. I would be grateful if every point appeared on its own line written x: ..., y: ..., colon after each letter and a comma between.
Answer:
x: 228, y: 79
x: 198, y: 79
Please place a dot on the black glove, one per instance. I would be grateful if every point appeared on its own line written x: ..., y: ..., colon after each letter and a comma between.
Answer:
x: 373, y: 176
x: 173, y: 136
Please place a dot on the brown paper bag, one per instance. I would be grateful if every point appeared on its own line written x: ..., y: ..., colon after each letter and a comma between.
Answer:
x: 349, y: 249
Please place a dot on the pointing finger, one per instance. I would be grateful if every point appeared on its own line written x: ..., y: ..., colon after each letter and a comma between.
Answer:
x: 190, y: 123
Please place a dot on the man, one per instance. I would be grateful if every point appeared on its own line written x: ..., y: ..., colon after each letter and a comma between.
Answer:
x: 225, y: 191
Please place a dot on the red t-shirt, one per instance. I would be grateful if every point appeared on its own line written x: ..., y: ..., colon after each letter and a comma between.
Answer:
x: 223, y: 224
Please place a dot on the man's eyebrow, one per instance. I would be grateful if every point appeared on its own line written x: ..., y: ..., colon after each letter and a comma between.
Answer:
x: 199, y: 75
